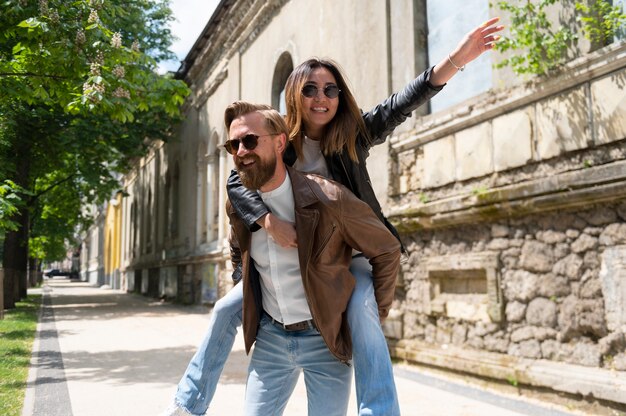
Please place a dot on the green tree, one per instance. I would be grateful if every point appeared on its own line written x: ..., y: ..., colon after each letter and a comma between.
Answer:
x: 9, y: 202
x: 79, y: 99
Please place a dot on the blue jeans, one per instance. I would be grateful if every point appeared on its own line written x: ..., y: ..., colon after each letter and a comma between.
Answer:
x: 375, y: 386
x: 277, y: 360
x: 373, y: 374
x: 197, y: 387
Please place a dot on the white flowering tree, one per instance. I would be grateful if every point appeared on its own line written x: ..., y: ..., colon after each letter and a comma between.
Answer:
x: 95, y: 55
x: 79, y: 98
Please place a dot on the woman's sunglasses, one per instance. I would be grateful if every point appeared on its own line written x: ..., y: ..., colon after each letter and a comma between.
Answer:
x: 310, y: 91
x: 249, y: 141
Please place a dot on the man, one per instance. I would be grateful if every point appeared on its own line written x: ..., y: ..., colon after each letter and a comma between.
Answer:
x: 294, y: 299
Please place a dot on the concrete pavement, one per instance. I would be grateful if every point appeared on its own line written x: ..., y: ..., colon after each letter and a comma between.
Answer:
x: 105, y: 352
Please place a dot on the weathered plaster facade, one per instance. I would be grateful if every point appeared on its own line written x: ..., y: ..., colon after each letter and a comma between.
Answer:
x: 511, y: 200
x: 92, y: 250
x: 530, y: 179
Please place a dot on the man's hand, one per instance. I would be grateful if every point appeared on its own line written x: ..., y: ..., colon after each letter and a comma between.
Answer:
x: 283, y: 232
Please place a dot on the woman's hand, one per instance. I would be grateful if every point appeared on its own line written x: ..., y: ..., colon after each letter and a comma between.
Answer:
x: 476, y: 42
x: 473, y: 44
x: 283, y: 232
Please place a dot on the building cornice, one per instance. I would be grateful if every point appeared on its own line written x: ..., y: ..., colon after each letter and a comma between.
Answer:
x: 234, y: 26
x: 494, y: 103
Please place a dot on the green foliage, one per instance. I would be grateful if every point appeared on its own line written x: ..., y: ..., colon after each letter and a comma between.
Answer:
x: 480, y: 191
x: 98, y: 56
x: 512, y: 380
x: 17, y: 332
x: 9, y: 202
x: 601, y: 20
x: 57, y: 216
x: 80, y: 99
x: 541, y: 46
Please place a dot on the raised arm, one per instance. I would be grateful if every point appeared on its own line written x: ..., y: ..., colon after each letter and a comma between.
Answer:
x: 381, y: 120
x: 386, y: 116
x: 473, y: 44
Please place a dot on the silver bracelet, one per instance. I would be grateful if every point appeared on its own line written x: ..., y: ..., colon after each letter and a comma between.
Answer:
x: 459, y: 68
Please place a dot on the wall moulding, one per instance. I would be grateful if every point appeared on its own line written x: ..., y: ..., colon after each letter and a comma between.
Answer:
x: 568, y: 378
x: 232, y: 31
x: 495, y: 103
x: 583, y: 187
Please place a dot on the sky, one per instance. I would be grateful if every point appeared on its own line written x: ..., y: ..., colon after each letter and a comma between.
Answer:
x: 191, y: 17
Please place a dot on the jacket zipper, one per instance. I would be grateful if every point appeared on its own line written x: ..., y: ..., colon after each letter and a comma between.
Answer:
x: 345, y: 171
x: 326, y: 240
x: 313, y: 314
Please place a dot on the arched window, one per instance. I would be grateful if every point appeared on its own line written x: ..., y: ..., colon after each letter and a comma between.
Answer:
x: 168, y: 203
x: 213, y: 182
x: 203, y: 191
x: 135, y: 226
x: 283, y: 68
x: 174, y: 202
x: 148, y: 223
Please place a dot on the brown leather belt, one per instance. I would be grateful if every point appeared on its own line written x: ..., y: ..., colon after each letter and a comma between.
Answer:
x: 298, y: 326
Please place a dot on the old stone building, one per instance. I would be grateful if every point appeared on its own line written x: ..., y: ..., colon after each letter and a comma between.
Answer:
x: 513, y: 209
x: 509, y: 193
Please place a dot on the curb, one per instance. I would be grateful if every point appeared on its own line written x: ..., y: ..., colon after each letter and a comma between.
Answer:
x: 29, y: 395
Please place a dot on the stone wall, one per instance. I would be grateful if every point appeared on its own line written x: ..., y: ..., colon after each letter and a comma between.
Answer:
x: 555, y: 300
x: 513, y: 211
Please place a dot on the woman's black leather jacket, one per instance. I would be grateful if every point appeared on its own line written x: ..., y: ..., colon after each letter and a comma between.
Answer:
x: 380, y: 123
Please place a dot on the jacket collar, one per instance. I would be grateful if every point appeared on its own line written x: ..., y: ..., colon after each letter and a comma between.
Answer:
x: 303, y: 195
x: 307, y: 217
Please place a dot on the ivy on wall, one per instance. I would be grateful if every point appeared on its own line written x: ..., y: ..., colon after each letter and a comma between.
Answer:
x: 601, y: 21
x: 539, y: 47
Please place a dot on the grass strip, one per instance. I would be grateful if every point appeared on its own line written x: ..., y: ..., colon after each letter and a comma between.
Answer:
x: 17, y: 333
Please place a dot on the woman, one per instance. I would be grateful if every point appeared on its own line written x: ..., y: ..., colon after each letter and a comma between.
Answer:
x: 331, y: 137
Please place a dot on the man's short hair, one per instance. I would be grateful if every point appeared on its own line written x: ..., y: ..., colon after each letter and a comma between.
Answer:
x: 274, y: 122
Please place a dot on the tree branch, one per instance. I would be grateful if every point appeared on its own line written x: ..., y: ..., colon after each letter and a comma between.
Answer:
x: 52, y: 186
x: 30, y: 74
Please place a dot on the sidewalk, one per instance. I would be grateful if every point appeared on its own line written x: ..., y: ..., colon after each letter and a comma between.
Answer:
x: 104, y: 352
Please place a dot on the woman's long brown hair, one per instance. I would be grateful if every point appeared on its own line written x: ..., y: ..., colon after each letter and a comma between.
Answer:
x: 341, y: 132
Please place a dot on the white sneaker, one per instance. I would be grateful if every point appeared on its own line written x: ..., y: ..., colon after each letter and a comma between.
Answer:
x: 175, y: 410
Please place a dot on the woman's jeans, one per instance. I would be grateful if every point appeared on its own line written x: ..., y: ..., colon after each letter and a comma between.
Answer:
x: 375, y: 386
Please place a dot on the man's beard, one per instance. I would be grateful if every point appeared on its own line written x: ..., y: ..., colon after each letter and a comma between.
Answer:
x: 257, y: 175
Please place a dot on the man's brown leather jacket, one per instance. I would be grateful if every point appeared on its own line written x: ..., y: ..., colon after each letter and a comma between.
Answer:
x: 330, y: 222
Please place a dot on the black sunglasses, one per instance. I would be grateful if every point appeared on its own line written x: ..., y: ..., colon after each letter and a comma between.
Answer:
x: 310, y: 91
x: 249, y: 141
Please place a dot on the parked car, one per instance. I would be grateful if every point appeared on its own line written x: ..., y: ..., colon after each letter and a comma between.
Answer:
x: 55, y: 272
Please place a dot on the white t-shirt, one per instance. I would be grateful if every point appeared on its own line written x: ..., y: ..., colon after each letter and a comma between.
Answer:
x: 281, y: 281
x: 313, y: 160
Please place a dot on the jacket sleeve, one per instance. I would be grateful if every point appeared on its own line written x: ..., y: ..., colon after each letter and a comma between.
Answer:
x: 386, y: 116
x: 247, y: 204
x: 235, y: 250
x: 363, y: 231
x: 235, y: 257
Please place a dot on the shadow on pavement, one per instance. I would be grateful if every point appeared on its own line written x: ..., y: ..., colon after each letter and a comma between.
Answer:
x: 146, y: 366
